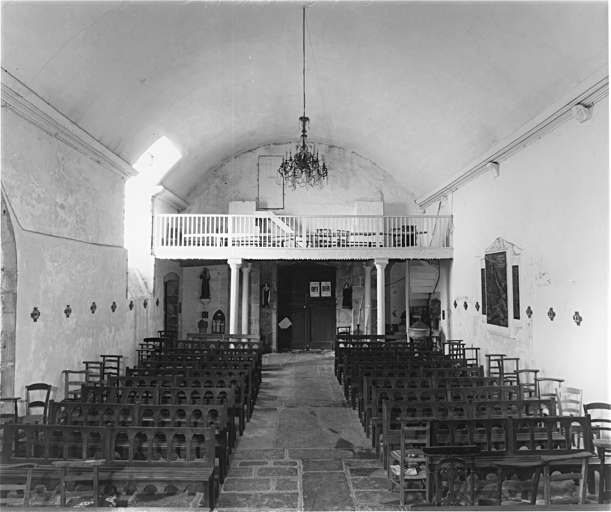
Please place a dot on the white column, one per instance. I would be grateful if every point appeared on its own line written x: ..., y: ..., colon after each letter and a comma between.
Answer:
x: 407, y: 277
x: 234, y: 264
x: 245, y: 297
x: 381, y: 289
x: 367, y: 286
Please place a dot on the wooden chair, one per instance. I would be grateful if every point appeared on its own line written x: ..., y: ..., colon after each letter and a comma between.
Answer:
x: 16, y: 478
x: 73, y: 380
x: 5, y: 414
x: 76, y: 471
x: 582, y: 476
x: 472, y: 356
x: 112, y: 365
x: 96, y: 372
x: 37, y: 403
x: 570, y: 404
x: 546, y: 386
x: 526, y: 381
x: 493, y: 367
x: 600, y: 417
x: 453, y: 476
x: 409, y: 471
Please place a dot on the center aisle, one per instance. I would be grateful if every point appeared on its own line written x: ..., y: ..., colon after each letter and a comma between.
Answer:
x: 304, y: 448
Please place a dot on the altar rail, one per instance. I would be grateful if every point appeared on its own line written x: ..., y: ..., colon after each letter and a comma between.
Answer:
x: 268, y: 230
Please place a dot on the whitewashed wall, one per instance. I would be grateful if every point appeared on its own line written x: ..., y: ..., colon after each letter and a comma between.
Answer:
x: 67, y: 214
x: 551, y: 200
x: 351, y: 178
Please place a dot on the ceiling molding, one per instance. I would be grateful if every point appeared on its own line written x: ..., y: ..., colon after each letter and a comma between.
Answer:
x: 587, y: 94
x: 171, y: 199
x: 18, y: 98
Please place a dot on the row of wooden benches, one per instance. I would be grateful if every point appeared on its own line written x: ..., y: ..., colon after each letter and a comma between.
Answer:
x: 148, y: 435
x: 494, y: 426
x: 129, y: 459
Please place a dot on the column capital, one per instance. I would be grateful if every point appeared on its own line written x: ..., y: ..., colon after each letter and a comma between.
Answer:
x: 246, y: 267
x: 235, y: 262
x: 381, y: 262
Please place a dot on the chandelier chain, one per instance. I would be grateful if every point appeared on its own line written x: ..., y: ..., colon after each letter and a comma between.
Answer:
x: 304, y: 169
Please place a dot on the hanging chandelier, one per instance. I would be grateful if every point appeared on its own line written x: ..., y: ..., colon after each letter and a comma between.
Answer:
x: 303, y: 169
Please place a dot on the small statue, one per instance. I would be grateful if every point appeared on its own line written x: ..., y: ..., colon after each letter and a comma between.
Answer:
x: 265, y: 293
x: 205, y: 277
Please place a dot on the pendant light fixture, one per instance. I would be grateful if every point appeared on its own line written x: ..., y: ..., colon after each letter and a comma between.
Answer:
x: 304, y: 169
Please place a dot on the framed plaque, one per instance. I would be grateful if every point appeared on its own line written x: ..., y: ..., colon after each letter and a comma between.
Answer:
x: 314, y: 289
x: 325, y: 289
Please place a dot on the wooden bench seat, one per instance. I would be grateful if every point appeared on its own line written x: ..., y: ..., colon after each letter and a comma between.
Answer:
x: 133, y: 415
x: 135, y: 457
x: 507, y: 443
x: 374, y: 410
x: 394, y: 413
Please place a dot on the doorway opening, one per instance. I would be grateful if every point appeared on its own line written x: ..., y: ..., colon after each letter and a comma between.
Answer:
x: 307, y: 298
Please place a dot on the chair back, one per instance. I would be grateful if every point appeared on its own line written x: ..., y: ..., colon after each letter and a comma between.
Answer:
x: 600, y: 416
x: 37, y: 398
x: 569, y: 401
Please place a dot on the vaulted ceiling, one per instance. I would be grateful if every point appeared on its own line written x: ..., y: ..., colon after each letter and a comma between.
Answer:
x: 421, y: 88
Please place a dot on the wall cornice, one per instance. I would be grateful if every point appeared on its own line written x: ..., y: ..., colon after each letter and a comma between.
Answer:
x: 587, y: 94
x: 18, y: 98
x: 171, y: 199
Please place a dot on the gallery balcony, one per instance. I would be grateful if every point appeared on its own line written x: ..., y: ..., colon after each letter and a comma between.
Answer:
x: 265, y: 235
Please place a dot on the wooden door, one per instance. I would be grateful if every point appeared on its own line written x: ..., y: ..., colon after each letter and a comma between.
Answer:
x: 312, y: 315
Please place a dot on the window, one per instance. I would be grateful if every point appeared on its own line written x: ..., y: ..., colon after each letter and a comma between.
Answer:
x: 151, y: 166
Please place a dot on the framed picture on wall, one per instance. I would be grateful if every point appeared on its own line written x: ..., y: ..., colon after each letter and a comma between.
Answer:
x: 325, y: 289
x: 314, y: 289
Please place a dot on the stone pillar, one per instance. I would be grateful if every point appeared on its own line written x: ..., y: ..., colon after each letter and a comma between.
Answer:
x: 367, y: 286
x: 234, y: 264
x: 381, y: 292
x: 407, y: 294
x: 245, y: 298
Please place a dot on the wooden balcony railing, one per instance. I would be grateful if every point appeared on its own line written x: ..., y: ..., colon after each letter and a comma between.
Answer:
x: 301, y: 232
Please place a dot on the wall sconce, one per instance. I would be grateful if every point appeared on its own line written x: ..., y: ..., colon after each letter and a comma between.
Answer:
x: 131, y: 305
x: 93, y: 307
x: 68, y: 311
x: 145, y: 303
x: 551, y: 314
x: 114, y: 306
x: 35, y: 314
x: 577, y: 317
x: 455, y: 304
x: 477, y: 306
x: 465, y: 305
x: 529, y: 312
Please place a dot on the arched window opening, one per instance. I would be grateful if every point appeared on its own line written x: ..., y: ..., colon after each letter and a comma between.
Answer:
x: 151, y: 167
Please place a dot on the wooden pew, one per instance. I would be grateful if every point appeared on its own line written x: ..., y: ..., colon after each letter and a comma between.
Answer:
x: 379, y: 395
x: 517, y: 445
x: 133, y: 415
x: 394, y: 412
x: 136, y: 457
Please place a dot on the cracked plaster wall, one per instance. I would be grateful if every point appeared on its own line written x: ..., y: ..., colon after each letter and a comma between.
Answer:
x: 551, y: 200
x: 67, y: 214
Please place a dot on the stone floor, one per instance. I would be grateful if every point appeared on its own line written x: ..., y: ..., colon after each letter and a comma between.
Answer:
x: 304, y: 448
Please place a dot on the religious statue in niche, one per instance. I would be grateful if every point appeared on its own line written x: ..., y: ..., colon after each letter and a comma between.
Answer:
x: 265, y: 294
x: 347, y: 296
x: 205, y: 277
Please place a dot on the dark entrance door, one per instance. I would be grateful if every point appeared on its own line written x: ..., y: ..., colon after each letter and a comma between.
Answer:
x: 170, y: 306
x: 306, y: 296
